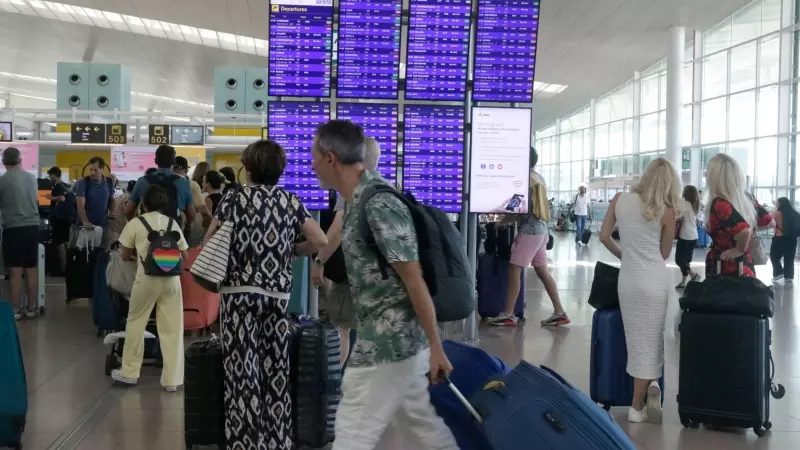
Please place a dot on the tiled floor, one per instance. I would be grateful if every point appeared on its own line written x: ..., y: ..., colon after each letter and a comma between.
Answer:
x: 73, y: 405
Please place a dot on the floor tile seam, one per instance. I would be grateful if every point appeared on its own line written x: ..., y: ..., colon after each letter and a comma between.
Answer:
x: 81, y: 428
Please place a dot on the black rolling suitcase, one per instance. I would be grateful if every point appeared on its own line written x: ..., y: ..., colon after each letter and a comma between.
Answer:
x: 204, y: 395
x: 316, y: 382
x: 726, y: 367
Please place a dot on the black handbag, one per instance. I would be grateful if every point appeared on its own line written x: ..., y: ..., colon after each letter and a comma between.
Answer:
x: 604, y: 294
x: 729, y: 294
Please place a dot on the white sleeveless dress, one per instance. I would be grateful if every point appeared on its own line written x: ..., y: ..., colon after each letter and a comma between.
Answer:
x: 643, y: 288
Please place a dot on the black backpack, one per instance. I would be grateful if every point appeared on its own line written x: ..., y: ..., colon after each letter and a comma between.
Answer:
x: 167, y: 182
x: 335, y: 269
x: 163, y: 258
x: 445, y: 267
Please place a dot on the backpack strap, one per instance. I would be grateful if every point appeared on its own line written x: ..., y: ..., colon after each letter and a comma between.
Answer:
x: 147, y: 225
x: 363, y: 223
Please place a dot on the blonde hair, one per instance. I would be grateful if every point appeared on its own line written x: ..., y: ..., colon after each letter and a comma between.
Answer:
x: 725, y: 179
x: 659, y: 188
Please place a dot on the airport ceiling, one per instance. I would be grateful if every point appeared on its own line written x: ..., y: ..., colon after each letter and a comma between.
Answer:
x: 591, y: 46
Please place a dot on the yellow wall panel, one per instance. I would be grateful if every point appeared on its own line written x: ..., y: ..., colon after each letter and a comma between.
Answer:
x: 74, y: 161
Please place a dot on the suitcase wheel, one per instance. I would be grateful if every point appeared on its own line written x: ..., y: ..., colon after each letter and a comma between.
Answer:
x: 689, y: 423
x: 607, y: 407
x: 759, y: 431
x: 111, y: 363
x: 768, y: 425
x: 777, y: 391
x: 41, y: 310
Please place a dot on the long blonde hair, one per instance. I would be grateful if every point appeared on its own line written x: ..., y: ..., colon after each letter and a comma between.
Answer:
x: 725, y: 179
x: 659, y: 189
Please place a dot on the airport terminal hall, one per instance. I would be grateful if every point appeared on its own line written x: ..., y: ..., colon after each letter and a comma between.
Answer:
x: 399, y: 224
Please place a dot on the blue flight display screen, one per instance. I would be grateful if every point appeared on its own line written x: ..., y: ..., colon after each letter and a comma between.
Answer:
x: 368, y: 49
x: 438, y: 49
x: 292, y: 125
x: 433, y: 155
x: 505, y: 50
x: 300, y: 48
x: 379, y: 121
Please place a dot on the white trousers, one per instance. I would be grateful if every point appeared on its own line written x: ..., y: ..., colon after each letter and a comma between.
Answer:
x: 395, y: 396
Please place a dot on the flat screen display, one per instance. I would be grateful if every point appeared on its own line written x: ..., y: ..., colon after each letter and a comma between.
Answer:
x: 379, y: 122
x: 5, y: 131
x: 499, y: 160
x: 300, y: 47
x: 433, y: 155
x: 187, y: 135
x: 505, y: 50
x: 292, y: 125
x: 438, y: 49
x: 368, y: 49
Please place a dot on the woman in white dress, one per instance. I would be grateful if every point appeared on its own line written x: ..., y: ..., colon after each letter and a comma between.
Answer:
x: 646, y: 221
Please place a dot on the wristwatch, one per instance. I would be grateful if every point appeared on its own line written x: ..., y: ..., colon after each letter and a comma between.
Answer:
x: 318, y: 262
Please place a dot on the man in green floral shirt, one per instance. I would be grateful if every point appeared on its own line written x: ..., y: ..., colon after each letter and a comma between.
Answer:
x: 398, y: 343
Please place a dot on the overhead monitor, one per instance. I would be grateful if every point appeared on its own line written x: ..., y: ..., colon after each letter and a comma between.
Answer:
x: 505, y: 50
x: 187, y: 134
x: 438, y: 49
x: 379, y: 121
x: 5, y: 132
x: 300, y: 48
x: 292, y: 125
x: 433, y: 155
x: 500, y: 160
x: 368, y: 53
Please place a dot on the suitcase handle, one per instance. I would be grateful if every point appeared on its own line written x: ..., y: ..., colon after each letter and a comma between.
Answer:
x: 478, y: 418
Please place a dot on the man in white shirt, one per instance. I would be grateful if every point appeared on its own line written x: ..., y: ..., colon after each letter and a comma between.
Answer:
x: 581, y: 207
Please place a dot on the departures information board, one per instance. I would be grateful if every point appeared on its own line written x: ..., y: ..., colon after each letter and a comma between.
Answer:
x: 379, y: 121
x: 300, y: 47
x: 505, y: 50
x: 438, y: 49
x: 433, y: 155
x: 292, y: 125
x: 368, y: 49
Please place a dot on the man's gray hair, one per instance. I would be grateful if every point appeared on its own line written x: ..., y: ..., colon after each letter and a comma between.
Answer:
x: 342, y: 138
x: 372, y: 153
x: 11, y: 157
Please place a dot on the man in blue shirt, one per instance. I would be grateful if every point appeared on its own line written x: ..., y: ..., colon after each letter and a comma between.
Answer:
x: 178, y: 190
x: 94, y: 196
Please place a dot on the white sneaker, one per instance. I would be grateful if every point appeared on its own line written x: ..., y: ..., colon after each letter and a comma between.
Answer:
x: 171, y: 388
x: 635, y: 416
x: 653, y: 404
x: 777, y: 278
x: 116, y: 375
x: 30, y: 313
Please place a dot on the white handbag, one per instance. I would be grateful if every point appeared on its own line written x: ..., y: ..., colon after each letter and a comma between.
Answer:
x: 211, y: 265
x: 757, y: 252
x: 120, y: 274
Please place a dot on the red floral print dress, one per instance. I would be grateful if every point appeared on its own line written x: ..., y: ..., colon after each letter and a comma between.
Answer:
x: 724, y: 223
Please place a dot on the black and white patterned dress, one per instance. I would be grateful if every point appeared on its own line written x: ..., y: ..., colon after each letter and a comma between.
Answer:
x: 255, y: 331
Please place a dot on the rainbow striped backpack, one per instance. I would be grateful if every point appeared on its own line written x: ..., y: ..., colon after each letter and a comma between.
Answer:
x: 163, y: 257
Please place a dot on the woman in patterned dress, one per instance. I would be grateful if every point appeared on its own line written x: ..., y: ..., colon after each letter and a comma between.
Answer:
x: 255, y: 295
x: 731, y: 218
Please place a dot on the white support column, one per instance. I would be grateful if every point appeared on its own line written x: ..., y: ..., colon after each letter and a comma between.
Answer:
x: 696, y: 164
x: 637, y: 110
x: 786, y: 160
x: 592, y: 120
x: 677, y: 42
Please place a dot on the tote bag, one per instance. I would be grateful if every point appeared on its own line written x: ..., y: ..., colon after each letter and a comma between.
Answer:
x: 121, y: 274
x: 211, y: 266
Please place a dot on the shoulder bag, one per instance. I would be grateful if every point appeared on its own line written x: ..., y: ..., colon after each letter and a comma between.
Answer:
x: 211, y: 266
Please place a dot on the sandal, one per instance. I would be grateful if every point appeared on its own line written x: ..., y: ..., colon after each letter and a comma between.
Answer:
x: 681, y: 286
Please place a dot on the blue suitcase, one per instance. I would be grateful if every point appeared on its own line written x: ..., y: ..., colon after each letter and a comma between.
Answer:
x: 534, y: 408
x: 472, y: 369
x: 609, y: 382
x: 703, y: 239
x: 492, y: 286
x: 13, y: 388
x: 104, y: 309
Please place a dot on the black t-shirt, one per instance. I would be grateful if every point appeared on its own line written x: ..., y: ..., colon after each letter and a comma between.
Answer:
x: 60, y: 210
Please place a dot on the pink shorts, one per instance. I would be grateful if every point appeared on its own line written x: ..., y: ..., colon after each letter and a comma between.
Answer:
x: 529, y: 250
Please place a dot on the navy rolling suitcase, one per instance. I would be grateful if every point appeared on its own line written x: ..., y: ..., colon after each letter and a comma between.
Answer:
x: 204, y: 395
x: 534, y: 408
x: 586, y: 236
x: 472, y: 369
x: 13, y: 388
x: 104, y: 308
x: 609, y: 383
x: 492, y: 286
